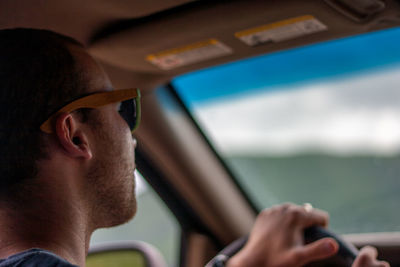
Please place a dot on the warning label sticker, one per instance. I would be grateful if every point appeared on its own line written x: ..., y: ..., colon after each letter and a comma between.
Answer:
x: 281, y: 30
x: 189, y: 54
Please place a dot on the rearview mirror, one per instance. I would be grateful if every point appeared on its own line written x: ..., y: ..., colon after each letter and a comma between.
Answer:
x: 124, y: 254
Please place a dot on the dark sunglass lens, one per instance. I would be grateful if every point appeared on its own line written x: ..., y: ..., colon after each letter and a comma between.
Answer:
x: 128, y: 112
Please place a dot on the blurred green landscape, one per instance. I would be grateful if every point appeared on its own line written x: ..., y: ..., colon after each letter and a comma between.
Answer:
x: 361, y: 193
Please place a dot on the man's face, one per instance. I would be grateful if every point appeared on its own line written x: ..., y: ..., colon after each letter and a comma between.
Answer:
x: 110, y: 177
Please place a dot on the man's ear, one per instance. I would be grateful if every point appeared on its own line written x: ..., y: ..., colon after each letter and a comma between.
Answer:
x: 72, y: 139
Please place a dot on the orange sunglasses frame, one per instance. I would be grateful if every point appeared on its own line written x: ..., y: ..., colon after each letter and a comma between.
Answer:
x: 95, y: 100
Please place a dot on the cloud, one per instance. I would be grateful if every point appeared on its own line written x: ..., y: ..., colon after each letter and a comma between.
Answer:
x: 358, y: 114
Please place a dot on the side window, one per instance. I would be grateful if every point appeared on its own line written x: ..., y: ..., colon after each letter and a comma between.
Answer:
x: 153, y: 223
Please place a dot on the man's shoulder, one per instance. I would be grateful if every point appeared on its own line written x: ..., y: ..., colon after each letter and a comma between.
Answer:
x: 33, y: 258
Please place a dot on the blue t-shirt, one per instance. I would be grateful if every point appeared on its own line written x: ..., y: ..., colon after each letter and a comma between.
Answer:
x: 33, y: 258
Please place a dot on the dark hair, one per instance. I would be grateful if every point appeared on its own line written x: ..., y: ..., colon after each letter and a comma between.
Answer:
x: 38, y: 75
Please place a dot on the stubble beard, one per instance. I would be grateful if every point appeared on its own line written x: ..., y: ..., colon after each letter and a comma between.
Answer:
x: 112, y: 183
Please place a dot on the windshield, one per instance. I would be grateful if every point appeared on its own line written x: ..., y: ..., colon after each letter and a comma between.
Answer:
x: 318, y: 124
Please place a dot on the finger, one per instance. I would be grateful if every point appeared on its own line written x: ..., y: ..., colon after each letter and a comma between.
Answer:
x: 316, y: 217
x: 367, y: 258
x: 299, y: 216
x: 370, y: 252
x: 383, y: 264
x: 282, y: 207
x: 318, y: 250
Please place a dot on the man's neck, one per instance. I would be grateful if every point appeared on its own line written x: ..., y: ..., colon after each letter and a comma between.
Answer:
x: 57, y: 226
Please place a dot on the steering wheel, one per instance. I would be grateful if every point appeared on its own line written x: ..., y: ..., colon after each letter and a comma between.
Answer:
x: 344, y: 258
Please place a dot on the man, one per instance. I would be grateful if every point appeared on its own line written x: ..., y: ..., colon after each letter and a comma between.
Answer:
x: 67, y: 162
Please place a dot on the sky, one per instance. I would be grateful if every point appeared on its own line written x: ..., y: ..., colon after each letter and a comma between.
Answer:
x: 339, y: 97
x: 337, y: 58
x: 356, y: 115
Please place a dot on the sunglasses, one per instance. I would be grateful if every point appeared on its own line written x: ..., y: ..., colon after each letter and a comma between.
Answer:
x: 129, y: 109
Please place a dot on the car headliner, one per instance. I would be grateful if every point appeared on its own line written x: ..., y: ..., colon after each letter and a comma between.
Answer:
x: 122, y: 33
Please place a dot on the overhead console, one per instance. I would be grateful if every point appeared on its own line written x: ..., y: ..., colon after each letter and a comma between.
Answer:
x: 204, y: 33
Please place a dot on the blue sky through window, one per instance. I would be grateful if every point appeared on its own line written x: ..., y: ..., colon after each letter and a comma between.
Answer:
x: 320, y: 61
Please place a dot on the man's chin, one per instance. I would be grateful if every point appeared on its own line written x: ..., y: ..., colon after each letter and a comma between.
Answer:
x: 121, y: 218
x: 129, y: 210
x: 133, y: 209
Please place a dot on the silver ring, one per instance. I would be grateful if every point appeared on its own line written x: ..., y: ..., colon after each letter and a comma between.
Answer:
x: 308, y: 207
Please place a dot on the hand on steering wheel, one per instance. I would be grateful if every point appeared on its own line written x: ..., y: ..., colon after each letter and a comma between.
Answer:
x: 291, y: 235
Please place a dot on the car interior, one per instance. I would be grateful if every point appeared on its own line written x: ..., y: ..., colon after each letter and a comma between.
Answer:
x: 148, y: 44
